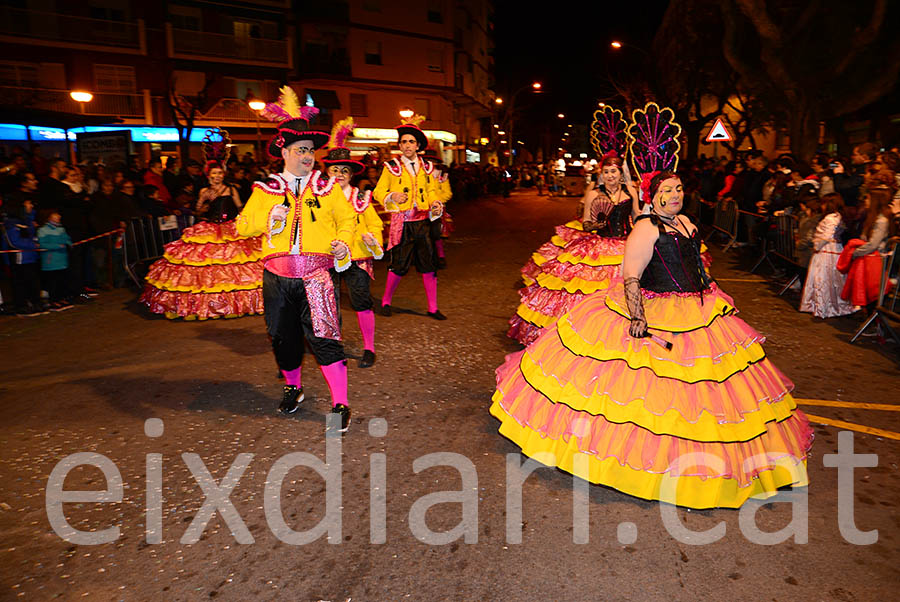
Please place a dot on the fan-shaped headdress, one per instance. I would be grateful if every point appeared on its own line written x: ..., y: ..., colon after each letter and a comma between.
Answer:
x: 293, y: 122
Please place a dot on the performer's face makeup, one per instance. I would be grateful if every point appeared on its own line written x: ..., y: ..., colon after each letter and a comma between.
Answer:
x: 299, y: 157
x: 340, y: 173
x: 611, y: 175
x: 216, y: 175
x: 409, y: 146
x: 669, y: 197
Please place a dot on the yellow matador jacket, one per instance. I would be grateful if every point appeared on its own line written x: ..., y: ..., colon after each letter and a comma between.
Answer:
x: 366, y: 221
x: 319, y: 216
x: 442, y: 191
x: 420, y: 191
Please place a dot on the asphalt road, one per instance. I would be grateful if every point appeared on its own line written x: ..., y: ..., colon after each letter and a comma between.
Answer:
x: 86, y: 380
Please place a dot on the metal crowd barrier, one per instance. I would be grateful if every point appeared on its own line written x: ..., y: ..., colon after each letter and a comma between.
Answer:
x: 884, y: 311
x: 145, y: 239
x: 725, y: 221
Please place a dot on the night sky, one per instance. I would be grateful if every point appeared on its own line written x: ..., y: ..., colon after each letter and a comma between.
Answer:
x: 566, y: 48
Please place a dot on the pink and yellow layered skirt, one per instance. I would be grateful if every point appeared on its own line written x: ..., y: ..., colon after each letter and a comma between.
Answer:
x: 561, y: 273
x: 708, y: 424
x: 210, y: 272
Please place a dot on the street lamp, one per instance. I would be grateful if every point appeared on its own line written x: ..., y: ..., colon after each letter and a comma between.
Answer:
x: 406, y: 113
x: 616, y: 44
x: 601, y: 104
x: 81, y: 96
x: 536, y: 85
x: 561, y: 115
x: 502, y: 133
x: 499, y: 101
x: 256, y: 105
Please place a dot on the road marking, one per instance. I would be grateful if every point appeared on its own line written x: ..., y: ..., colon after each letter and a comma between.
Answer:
x: 887, y: 407
x: 854, y: 427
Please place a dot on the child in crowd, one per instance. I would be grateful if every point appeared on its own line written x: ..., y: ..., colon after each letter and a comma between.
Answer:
x: 55, y: 260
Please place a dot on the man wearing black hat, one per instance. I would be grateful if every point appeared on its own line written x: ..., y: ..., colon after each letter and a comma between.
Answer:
x: 308, y: 227
x: 406, y: 190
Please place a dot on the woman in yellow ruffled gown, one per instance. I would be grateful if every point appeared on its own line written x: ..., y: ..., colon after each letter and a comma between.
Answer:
x: 211, y: 271
x: 707, y: 422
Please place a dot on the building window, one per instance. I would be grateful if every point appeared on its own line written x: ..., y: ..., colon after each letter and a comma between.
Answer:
x: 373, y: 6
x: 359, y: 105
x: 435, y: 14
x: 422, y: 106
x: 19, y: 75
x: 373, y: 53
x: 436, y: 61
x: 115, y: 78
x: 185, y: 17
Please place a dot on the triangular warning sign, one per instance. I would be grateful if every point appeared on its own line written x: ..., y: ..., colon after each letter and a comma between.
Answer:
x: 718, y: 133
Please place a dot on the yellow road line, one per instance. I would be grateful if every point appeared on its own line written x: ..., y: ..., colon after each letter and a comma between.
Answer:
x: 855, y: 427
x: 887, y: 407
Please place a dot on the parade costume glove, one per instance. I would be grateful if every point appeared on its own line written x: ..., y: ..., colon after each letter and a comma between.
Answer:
x: 277, y: 219
x: 436, y: 211
x: 635, y: 302
x: 341, y: 255
x: 591, y: 226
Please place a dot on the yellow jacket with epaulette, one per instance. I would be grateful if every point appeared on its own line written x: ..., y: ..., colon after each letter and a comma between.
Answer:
x: 441, y: 188
x: 368, y: 221
x: 318, y: 217
x: 395, y: 177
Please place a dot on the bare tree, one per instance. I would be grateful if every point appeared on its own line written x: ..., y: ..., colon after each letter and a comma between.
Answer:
x: 812, y: 60
x: 184, y: 110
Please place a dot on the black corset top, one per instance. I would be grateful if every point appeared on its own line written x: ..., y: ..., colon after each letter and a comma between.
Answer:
x: 676, y: 265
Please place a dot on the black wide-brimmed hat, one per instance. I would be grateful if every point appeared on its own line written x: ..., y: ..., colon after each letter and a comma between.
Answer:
x: 293, y: 130
x: 410, y: 126
x: 340, y: 155
x: 433, y: 156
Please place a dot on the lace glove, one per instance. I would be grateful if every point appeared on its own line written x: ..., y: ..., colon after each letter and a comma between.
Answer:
x: 594, y: 226
x: 635, y: 302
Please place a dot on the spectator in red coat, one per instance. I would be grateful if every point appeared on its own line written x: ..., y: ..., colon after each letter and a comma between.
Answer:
x: 154, y: 177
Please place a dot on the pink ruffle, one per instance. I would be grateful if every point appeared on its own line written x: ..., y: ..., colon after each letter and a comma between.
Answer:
x: 203, y: 306
x: 523, y: 331
x: 549, y: 302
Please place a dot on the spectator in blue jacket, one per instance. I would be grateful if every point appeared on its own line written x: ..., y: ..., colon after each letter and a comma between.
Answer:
x: 19, y: 234
x: 55, y: 260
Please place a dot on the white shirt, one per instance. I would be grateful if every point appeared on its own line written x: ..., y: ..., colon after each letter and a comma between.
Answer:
x: 411, y: 166
x: 296, y: 183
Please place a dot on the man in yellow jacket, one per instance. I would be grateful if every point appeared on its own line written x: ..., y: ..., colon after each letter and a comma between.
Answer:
x: 308, y: 228
x: 367, y: 240
x: 406, y: 190
x: 440, y: 178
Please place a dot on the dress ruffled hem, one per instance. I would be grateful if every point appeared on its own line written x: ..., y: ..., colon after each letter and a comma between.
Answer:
x: 202, y: 306
x: 669, y: 469
x: 216, y: 278
x: 523, y: 331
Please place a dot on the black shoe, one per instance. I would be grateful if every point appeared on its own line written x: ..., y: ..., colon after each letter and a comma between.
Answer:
x: 82, y: 299
x: 342, y: 411
x: 437, y: 315
x: 368, y: 359
x: 291, y: 399
x: 386, y: 311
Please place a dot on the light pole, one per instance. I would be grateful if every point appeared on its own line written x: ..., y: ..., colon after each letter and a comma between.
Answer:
x: 256, y: 105
x: 81, y: 97
x: 536, y: 88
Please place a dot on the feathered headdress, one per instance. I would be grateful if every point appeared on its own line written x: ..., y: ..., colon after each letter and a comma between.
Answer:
x: 215, y: 148
x: 341, y: 131
x: 288, y: 107
x: 414, y: 119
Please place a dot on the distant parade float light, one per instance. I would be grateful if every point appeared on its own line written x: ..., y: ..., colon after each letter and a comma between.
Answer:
x: 81, y: 96
x: 257, y: 105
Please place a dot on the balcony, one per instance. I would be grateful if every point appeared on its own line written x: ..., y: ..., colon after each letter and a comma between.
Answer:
x: 126, y: 106
x: 224, y: 48
x: 21, y: 26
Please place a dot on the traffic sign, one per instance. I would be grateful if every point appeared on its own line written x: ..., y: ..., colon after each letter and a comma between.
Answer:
x: 718, y: 133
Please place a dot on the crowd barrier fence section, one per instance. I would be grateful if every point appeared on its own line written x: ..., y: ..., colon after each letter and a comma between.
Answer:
x: 146, y: 237
x: 886, y: 309
x: 725, y: 221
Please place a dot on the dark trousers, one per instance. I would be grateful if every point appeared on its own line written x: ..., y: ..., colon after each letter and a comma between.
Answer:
x: 358, y: 280
x: 26, y: 285
x: 56, y: 282
x: 289, y: 322
x: 416, y: 247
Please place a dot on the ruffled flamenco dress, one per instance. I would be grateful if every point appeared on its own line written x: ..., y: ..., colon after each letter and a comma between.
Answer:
x: 210, y: 272
x: 571, y: 266
x: 706, y: 424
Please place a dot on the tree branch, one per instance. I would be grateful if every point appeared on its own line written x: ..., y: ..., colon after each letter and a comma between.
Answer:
x: 863, y: 39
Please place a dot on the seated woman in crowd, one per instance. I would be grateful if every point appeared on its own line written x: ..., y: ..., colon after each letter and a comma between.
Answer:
x: 822, y: 291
